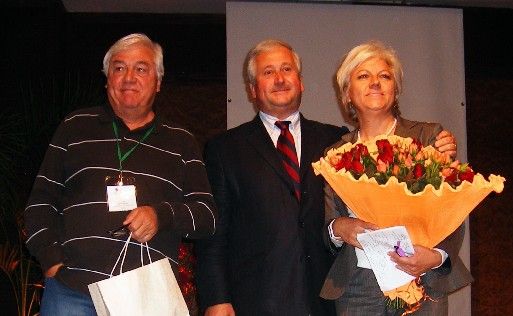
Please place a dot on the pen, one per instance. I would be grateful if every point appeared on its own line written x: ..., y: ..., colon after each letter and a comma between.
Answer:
x: 400, y: 252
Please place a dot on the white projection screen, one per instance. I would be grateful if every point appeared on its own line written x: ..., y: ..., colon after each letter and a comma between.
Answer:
x: 428, y: 41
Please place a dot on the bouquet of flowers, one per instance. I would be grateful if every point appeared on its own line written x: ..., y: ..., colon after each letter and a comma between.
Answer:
x: 391, y: 181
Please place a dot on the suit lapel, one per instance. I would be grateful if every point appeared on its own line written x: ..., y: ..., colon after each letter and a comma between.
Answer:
x: 309, y: 150
x: 260, y: 140
x: 403, y: 127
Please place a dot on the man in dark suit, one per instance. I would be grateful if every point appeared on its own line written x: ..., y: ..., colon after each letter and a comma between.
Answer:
x: 267, y: 256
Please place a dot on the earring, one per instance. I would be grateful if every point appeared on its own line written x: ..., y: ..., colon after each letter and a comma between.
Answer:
x: 395, y: 108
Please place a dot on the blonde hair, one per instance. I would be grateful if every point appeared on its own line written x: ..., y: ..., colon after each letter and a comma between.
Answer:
x: 359, y: 54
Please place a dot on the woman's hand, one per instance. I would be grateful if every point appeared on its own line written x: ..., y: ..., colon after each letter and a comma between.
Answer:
x: 348, y: 227
x: 423, y: 260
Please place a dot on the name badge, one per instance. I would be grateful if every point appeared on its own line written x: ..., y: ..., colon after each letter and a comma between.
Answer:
x: 121, y: 193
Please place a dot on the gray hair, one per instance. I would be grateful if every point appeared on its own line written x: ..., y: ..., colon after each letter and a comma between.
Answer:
x: 133, y: 39
x: 265, y: 46
x: 355, y: 58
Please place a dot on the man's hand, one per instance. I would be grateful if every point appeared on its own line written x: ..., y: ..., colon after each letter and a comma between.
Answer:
x: 347, y: 228
x: 421, y: 262
x: 143, y: 223
x: 225, y: 309
x: 446, y: 143
x: 50, y: 273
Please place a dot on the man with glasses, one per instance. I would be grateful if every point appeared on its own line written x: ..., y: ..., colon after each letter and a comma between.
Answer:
x: 110, y: 171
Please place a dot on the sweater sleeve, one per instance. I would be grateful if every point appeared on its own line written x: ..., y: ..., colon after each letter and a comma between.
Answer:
x: 195, y: 215
x: 43, y: 214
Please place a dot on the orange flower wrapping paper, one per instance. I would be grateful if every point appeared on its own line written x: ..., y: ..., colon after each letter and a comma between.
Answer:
x: 429, y: 216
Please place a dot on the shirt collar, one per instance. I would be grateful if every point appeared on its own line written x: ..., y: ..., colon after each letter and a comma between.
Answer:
x: 108, y: 116
x: 269, y: 120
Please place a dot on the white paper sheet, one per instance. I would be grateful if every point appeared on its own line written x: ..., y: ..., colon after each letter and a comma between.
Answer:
x: 376, y: 245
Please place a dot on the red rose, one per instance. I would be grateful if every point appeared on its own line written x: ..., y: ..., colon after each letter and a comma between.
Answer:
x: 357, y: 167
x: 467, y: 176
x: 386, y: 157
x: 418, y: 143
x: 340, y: 161
x: 362, y: 149
x: 355, y: 153
x: 418, y: 171
x: 384, y: 145
x: 346, y: 160
x: 385, y: 150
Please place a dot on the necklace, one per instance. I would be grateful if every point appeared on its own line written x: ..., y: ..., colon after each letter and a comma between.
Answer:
x: 387, y: 133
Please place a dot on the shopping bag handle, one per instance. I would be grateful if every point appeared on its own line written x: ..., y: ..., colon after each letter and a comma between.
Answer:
x: 123, y: 252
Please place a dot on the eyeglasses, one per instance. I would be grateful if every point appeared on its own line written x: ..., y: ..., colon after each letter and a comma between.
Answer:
x: 118, y: 232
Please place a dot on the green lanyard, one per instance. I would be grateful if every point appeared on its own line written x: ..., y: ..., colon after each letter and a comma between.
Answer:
x: 122, y: 158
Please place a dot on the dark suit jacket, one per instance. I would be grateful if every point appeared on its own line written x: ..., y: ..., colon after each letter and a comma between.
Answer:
x: 267, y: 256
x: 444, y: 279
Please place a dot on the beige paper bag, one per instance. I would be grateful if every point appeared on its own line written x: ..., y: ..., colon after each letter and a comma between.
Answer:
x: 146, y: 291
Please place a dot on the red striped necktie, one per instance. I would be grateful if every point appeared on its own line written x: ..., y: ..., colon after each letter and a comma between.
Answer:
x: 287, y: 150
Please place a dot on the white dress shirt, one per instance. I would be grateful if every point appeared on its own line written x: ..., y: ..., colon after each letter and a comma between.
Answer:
x: 274, y: 131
